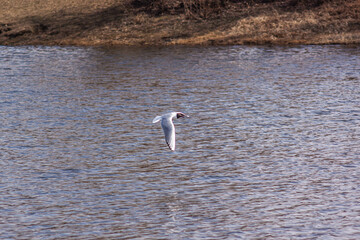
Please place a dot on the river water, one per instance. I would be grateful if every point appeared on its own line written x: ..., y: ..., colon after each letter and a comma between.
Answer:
x: 271, y: 149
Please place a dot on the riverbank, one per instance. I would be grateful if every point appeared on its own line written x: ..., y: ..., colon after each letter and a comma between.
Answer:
x: 136, y: 22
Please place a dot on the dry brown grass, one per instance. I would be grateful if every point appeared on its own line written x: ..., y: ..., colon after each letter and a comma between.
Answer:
x: 327, y: 24
x: 165, y: 22
x: 13, y: 10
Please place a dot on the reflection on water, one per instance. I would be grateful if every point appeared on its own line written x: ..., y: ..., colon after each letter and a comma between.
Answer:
x: 271, y: 149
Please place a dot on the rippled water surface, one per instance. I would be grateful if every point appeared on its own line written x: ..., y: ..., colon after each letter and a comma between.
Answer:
x: 271, y: 149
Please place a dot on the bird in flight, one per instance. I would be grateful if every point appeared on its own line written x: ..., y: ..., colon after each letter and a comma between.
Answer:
x: 168, y: 126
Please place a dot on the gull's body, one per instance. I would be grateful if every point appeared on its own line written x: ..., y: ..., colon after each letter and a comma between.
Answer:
x: 168, y: 127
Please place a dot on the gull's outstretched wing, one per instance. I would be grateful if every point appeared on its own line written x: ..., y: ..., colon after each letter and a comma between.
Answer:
x: 169, y: 131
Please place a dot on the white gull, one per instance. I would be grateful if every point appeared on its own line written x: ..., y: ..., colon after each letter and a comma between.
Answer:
x: 168, y: 126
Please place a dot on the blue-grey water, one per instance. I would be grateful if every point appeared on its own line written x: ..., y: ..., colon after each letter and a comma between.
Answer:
x: 271, y: 149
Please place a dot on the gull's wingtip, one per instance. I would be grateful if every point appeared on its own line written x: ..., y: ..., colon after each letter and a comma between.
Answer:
x: 172, y: 148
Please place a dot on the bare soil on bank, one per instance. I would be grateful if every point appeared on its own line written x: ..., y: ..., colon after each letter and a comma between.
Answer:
x: 136, y: 22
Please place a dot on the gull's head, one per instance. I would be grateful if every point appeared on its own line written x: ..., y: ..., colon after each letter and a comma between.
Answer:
x: 180, y: 115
